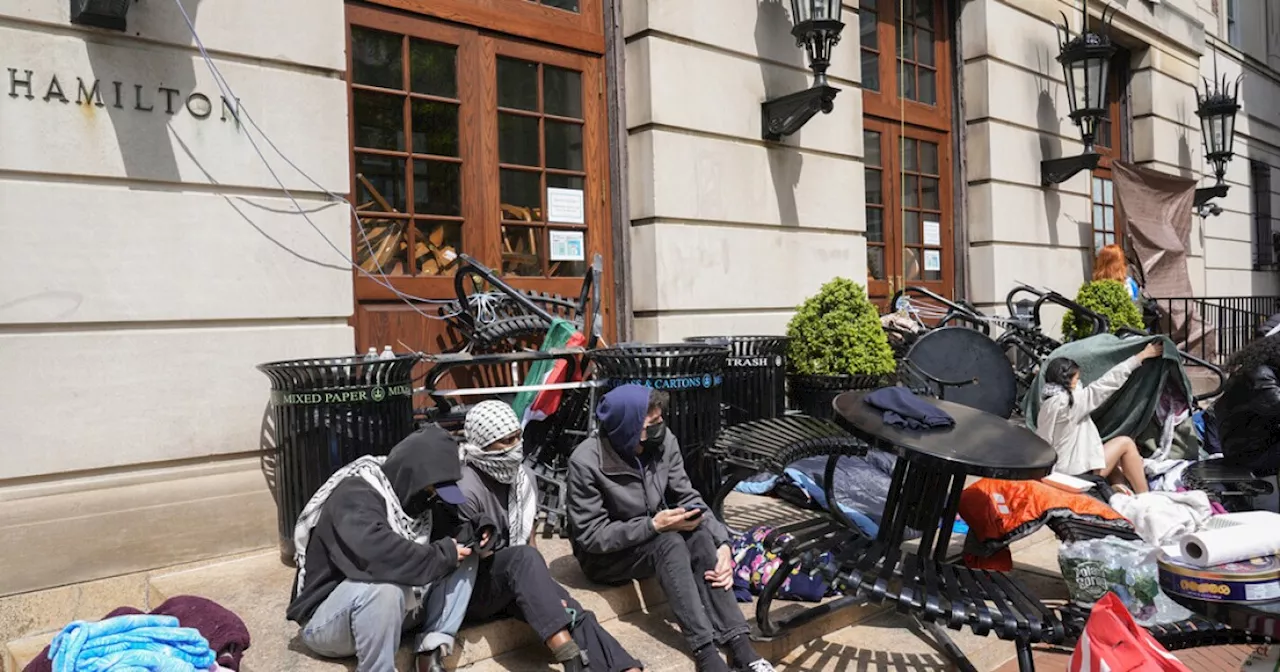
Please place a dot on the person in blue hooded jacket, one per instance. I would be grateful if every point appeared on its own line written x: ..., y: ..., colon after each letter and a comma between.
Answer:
x: 634, y: 513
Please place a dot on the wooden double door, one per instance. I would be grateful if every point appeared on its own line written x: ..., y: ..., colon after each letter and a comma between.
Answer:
x: 466, y: 140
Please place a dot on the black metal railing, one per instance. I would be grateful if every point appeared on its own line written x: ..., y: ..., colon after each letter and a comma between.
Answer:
x: 1231, y: 321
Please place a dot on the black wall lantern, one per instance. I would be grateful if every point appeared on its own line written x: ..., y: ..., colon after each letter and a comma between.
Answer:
x: 1086, y: 67
x: 100, y: 13
x: 817, y: 29
x: 1217, y: 108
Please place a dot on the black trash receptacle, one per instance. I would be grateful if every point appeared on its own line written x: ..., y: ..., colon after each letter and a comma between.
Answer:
x: 328, y: 412
x: 755, y: 376
x: 693, y: 375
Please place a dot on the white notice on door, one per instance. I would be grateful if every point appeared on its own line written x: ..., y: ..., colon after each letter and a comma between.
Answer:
x: 565, y: 206
x: 932, y: 233
x: 567, y: 245
x: 933, y: 260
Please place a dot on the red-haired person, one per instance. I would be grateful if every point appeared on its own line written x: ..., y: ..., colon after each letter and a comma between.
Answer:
x: 1110, y: 265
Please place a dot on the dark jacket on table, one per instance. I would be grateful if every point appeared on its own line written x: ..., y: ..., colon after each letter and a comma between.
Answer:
x: 612, y: 502
x: 1248, y: 415
x: 486, y: 504
x: 353, y: 540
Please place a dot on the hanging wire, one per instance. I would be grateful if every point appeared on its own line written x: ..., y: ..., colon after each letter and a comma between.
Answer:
x: 486, y: 302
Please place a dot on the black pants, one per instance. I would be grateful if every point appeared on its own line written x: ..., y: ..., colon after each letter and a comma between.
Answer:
x: 679, y: 559
x: 515, y: 582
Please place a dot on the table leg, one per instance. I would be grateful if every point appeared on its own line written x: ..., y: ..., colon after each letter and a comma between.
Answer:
x: 949, y: 513
x: 893, y: 519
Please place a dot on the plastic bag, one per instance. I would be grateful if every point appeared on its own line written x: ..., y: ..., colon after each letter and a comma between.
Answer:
x: 1112, y: 641
x: 1095, y: 567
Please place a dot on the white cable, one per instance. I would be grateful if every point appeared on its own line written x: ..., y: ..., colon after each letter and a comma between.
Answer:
x: 380, y: 279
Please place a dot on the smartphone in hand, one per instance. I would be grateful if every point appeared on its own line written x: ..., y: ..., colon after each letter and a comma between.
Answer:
x: 695, y: 512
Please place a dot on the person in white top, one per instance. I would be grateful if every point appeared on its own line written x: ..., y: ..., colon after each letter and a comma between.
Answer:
x: 1064, y: 421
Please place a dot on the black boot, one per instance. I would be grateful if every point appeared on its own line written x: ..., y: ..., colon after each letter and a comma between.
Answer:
x: 430, y: 661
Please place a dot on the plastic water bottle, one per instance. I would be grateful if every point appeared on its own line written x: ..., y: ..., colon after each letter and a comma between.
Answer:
x: 387, y: 353
x: 371, y: 355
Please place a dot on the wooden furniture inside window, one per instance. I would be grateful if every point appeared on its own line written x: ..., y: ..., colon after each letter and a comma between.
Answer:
x: 906, y: 93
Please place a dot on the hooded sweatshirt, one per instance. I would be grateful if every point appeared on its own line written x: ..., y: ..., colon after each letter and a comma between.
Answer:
x: 353, y: 540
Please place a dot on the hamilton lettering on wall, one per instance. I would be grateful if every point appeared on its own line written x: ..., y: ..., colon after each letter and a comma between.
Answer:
x: 25, y: 84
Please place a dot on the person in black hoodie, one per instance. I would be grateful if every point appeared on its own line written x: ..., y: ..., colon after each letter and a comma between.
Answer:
x: 372, y: 565
x: 1248, y: 412
x: 633, y: 513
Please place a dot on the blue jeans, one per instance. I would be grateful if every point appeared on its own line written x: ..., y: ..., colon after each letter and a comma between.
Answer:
x: 366, y: 619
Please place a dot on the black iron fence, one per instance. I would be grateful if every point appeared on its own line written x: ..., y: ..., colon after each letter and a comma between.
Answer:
x: 1231, y: 321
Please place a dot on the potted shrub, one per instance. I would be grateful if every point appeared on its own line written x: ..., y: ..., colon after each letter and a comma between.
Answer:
x: 835, y: 344
x: 1108, y: 298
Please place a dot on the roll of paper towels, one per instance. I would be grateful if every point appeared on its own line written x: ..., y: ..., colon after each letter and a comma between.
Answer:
x: 1231, y: 544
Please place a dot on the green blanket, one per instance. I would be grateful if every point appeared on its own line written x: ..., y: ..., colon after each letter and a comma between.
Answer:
x: 1131, y: 411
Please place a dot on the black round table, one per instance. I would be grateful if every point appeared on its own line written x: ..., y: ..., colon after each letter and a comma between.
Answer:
x: 932, y: 465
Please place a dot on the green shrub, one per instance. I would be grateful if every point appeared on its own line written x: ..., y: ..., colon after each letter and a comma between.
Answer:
x: 1108, y: 298
x: 837, y: 332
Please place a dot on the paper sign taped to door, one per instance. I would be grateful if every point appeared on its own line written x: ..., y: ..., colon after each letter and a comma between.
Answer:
x: 932, y: 260
x: 567, y: 245
x: 565, y: 206
x: 932, y: 233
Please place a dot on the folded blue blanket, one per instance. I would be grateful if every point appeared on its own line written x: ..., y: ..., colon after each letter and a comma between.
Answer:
x: 141, y: 643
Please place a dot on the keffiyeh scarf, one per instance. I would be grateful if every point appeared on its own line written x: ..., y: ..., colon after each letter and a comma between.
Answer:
x: 368, y: 468
x: 488, y: 422
x: 1052, y: 390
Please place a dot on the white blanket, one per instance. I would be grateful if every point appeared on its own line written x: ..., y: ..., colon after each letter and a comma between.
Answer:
x: 1163, y: 517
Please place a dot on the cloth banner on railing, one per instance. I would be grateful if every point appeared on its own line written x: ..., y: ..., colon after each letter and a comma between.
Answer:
x: 1156, y: 210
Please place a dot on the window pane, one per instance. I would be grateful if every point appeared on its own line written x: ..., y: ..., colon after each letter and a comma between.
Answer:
x: 379, y: 120
x: 875, y: 263
x: 564, y: 145
x: 521, y: 194
x: 910, y: 155
x: 911, y: 263
x: 924, y: 47
x: 867, y: 22
x: 1110, y: 219
x: 907, y: 43
x: 870, y: 71
x: 910, y: 191
x: 562, y: 92
x: 435, y: 128
x: 927, y: 89
x: 566, y: 182
x: 929, y: 197
x: 906, y: 81
x: 911, y: 228
x: 924, y: 13
x: 384, y: 246
x: 436, y: 247
x: 567, y: 5
x: 521, y: 251
x: 517, y: 84
x: 1097, y: 216
x: 1097, y: 190
x: 387, y: 177
x: 874, y: 186
x: 437, y: 188
x: 1098, y: 241
x: 1107, y: 196
x: 929, y: 158
x: 933, y: 276
x: 518, y: 139
x: 875, y: 225
x: 432, y: 70
x: 375, y: 58
x: 871, y: 148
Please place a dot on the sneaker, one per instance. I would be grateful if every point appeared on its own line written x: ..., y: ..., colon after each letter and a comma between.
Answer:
x: 757, y: 665
x: 431, y: 661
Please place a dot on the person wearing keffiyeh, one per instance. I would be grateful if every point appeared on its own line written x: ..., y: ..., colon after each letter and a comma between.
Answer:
x: 513, y: 578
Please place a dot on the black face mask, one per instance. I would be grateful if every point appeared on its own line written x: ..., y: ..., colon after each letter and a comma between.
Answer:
x: 654, y: 435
